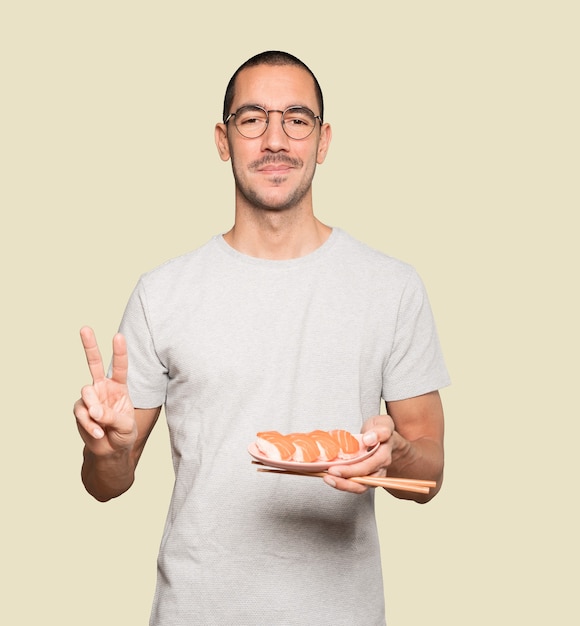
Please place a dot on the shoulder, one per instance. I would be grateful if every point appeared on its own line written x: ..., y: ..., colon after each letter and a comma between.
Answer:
x: 365, y: 258
x: 185, y: 266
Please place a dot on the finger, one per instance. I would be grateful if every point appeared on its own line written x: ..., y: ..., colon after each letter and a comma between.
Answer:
x: 84, y: 422
x: 364, y: 468
x: 375, y: 464
x: 94, y: 360
x: 377, y: 428
x: 120, y: 359
x: 342, y: 484
x: 92, y: 402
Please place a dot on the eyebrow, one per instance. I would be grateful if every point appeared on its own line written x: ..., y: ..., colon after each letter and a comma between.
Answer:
x: 263, y: 106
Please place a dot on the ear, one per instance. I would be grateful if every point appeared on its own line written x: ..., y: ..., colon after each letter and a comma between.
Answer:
x: 323, y: 143
x: 221, y: 141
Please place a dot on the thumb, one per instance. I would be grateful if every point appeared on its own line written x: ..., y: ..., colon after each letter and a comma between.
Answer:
x: 377, y: 428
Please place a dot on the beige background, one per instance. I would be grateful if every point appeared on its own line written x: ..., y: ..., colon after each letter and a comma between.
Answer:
x: 455, y: 148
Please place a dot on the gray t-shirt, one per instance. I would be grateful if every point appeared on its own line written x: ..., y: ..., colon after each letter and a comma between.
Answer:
x: 233, y: 345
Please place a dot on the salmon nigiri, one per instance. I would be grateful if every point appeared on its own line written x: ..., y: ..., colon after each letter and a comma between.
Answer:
x: 306, y: 450
x: 274, y: 445
x: 348, y: 443
x: 327, y: 446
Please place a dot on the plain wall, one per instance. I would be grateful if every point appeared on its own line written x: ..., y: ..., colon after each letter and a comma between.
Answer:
x: 455, y: 149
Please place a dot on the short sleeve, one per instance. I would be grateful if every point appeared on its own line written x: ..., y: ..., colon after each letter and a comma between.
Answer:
x: 415, y: 365
x: 147, y: 377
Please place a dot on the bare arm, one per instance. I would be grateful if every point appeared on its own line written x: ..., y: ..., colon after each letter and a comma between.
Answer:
x: 109, y: 475
x: 411, y: 437
x: 113, y: 431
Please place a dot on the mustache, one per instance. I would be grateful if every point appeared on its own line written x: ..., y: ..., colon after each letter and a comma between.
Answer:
x: 275, y: 159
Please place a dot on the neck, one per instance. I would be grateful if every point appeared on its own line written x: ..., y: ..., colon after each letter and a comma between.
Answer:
x: 277, y: 235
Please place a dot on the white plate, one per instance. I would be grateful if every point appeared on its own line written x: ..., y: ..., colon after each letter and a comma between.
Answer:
x: 317, y: 466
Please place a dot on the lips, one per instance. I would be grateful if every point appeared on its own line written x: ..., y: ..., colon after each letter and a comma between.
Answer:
x: 275, y: 164
x: 274, y: 169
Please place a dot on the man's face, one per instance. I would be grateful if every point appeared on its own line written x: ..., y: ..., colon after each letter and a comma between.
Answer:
x: 273, y: 171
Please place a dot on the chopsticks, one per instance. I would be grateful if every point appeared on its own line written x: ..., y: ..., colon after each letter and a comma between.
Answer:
x: 401, y: 484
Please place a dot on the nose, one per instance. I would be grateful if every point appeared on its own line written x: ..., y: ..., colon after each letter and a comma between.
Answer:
x: 275, y: 139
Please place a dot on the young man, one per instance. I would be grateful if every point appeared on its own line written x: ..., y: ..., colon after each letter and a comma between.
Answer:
x: 281, y: 323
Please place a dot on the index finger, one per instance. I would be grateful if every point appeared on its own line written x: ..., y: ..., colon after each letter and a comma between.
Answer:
x: 94, y: 360
x: 374, y: 465
x: 120, y: 363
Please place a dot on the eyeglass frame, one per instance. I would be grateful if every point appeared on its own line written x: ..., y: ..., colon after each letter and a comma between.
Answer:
x: 267, y: 112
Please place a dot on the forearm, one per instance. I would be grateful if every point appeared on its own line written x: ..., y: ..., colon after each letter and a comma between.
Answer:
x: 106, y: 477
x: 422, y: 458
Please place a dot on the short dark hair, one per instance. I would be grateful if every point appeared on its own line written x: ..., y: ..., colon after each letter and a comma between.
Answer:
x: 271, y: 57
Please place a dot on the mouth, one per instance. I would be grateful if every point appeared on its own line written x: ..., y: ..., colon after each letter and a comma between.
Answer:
x: 275, y: 169
x: 275, y: 165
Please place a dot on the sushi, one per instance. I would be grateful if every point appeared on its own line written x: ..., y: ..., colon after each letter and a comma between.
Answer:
x: 306, y: 450
x: 317, y: 445
x: 328, y: 447
x: 348, y: 443
x: 274, y: 445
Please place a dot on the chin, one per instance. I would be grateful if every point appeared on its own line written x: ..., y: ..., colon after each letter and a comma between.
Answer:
x: 275, y: 202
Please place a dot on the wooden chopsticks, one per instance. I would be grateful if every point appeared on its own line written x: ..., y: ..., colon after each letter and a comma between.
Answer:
x: 401, y: 484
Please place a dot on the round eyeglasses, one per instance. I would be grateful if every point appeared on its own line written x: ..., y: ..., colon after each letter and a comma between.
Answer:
x: 251, y: 121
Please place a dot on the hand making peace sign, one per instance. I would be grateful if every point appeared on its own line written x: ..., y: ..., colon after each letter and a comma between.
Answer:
x: 105, y: 415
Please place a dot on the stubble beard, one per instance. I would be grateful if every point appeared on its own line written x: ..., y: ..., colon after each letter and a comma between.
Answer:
x: 260, y: 200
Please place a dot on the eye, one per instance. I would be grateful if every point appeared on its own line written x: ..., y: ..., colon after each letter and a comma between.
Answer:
x: 296, y: 121
x: 251, y: 116
x: 299, y: 116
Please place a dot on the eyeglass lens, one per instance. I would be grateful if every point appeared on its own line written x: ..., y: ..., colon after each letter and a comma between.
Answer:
x: 297, y: 122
